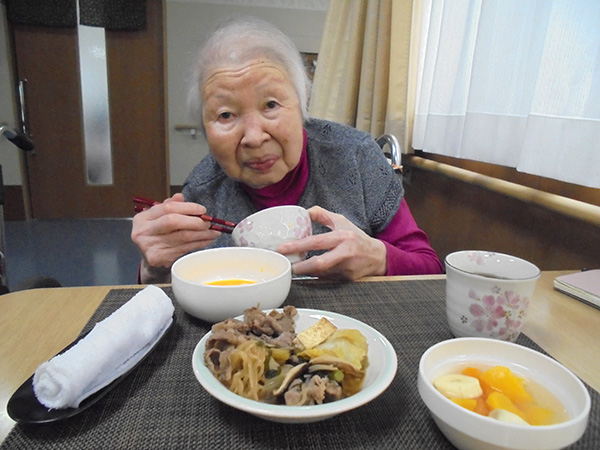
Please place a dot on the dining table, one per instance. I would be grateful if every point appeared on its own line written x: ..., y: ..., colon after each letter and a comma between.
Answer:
x: 160, y: 404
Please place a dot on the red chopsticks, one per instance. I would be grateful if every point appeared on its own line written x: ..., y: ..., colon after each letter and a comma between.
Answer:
x: 142, y: 203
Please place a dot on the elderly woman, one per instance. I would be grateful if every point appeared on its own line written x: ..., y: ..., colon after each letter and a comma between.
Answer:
x: 250, y: 93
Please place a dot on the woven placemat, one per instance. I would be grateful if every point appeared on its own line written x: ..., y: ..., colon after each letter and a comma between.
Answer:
x: 161, y: 404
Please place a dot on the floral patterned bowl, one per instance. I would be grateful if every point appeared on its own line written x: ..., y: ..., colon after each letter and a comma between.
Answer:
x: 488, y: 294
x: 272, y: 227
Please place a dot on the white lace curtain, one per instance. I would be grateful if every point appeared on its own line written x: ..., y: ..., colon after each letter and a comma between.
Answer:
x: 512, y: 82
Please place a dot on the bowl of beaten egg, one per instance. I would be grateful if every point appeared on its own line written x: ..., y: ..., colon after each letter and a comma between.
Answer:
x: 541, y: 405
x: 219, y: 283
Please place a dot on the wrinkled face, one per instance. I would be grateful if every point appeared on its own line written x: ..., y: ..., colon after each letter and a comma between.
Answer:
x: 253, y: 122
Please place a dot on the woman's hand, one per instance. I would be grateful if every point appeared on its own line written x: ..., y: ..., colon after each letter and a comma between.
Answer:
x: 351, y: 253
x: 168, y: 231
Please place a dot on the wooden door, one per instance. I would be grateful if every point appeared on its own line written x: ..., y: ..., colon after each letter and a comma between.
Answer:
x: 57, y: 180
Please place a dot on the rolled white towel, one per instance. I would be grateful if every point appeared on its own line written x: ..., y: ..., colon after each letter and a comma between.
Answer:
x: 113, y: 347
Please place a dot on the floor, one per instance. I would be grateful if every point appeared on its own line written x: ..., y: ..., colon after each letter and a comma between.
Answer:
x: 75, y: 252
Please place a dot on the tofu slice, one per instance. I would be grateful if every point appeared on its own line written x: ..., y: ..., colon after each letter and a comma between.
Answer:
x: 315, y: 334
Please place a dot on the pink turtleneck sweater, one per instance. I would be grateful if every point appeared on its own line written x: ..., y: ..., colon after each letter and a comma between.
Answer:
x: 408, y: 249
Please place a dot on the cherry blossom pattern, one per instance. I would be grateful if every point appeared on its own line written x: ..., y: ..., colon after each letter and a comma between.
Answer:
x: 477, y: 258
x: 500, y: 314
x: 245, y: 226
x: 304, y: 227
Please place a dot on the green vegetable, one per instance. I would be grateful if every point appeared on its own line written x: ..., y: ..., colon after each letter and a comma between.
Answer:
x: 336, y: 375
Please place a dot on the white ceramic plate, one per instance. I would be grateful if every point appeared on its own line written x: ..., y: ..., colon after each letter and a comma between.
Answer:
x: 380, y: 373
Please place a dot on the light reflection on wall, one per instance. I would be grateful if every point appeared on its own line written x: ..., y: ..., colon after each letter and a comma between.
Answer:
x: 105, y: 267
x: 94, y: 94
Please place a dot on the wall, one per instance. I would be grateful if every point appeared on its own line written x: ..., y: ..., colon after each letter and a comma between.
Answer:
x: 459, y: 216
x: 188, y: 23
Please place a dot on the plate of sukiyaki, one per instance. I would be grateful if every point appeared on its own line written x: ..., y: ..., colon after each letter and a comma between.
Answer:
x: 294, y: 365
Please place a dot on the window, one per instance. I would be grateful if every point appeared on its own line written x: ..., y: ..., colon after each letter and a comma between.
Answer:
x: 512, y: 82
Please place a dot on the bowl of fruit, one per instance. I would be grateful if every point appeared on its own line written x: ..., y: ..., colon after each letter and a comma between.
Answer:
x: 490, y: 394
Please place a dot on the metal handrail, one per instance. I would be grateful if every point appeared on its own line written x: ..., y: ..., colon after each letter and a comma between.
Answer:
x: 395, y: 149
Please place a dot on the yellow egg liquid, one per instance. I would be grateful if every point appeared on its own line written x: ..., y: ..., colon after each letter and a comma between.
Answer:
x: 232, y: 282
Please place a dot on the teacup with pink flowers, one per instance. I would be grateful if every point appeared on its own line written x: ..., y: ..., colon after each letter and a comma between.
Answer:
x: 488, y: 293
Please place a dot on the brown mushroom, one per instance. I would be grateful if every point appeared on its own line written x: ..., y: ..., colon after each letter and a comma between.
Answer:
x: 344, y: 366
x: 293, y: 373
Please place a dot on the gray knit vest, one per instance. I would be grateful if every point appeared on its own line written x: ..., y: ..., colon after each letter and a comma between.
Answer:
x: 348, y: 174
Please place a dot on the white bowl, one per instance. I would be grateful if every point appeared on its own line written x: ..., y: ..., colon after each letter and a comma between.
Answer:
x: 380, y: 373
x: 271, y: 272
x: 271, y: 227
x: 469, y: 430
x: 488, y: 294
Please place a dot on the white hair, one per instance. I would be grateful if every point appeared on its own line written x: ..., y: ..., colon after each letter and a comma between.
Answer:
x: 239, y: 41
